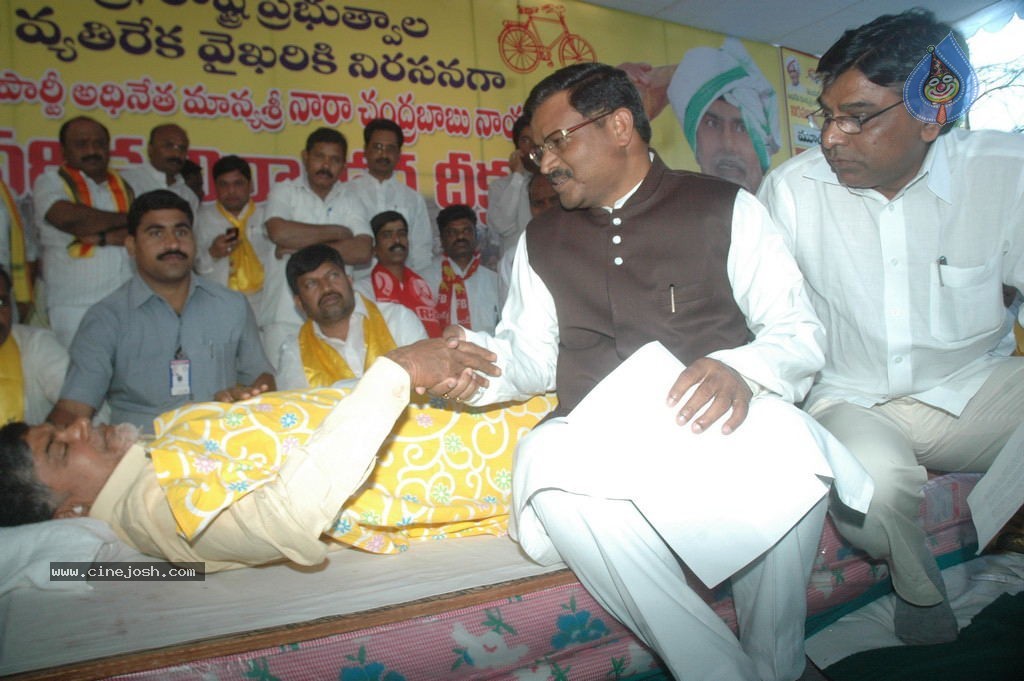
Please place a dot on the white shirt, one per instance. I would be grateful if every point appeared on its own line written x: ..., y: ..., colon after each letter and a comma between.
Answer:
x: 295, y: 201
x: 404, y: 325
x: 44, y: 361
x: 376, y: 197
x: 767, y: 287
x: 909, y: 290
x: 210, y: 224
x: 76, y: 281
x: 481, y: 291
x: 508, y: 208
x: 145, y: 178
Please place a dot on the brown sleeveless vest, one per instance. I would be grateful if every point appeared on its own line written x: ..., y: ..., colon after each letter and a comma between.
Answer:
x: 654, y: 269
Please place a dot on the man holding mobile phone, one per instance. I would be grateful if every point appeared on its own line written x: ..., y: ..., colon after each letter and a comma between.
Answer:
x: 230, y: 238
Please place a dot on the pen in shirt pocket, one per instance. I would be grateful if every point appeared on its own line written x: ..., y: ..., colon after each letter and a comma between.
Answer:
x: 672, y: 298
x: 939, y: 264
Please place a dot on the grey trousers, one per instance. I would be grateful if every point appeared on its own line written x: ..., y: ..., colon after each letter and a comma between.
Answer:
x: 896, y: 442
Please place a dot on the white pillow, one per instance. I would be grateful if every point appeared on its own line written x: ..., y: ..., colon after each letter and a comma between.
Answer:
x: 28, y: 550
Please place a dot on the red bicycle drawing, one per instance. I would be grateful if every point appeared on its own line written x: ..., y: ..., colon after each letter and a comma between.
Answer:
x: 522, y: 46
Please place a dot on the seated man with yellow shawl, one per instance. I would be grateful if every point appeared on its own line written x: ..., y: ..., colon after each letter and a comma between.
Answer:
x: 268, y: 511
x: 344, y: 332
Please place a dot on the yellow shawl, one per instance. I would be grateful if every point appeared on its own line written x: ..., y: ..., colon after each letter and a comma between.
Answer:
x: 20, y: 274
x: 12, y: 382
x: 324, y: 366
x: 246, y: 273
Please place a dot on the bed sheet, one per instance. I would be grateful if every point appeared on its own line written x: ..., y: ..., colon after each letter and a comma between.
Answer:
x: 46, y: 628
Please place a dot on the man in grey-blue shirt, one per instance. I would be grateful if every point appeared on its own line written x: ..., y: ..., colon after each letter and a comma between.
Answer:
x: 166, y: 336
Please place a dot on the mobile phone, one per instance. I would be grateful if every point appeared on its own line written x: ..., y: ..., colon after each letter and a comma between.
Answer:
x: 232, y: 233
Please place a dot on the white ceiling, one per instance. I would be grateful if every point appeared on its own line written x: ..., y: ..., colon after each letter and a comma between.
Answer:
x: 810, y: 26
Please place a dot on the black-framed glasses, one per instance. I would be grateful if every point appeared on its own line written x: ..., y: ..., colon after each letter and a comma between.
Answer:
x: 557, y: 140
x: 851, y: 125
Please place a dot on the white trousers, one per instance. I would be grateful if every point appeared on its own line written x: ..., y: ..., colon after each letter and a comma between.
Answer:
x: 896, y: 442
x: 627, y: 567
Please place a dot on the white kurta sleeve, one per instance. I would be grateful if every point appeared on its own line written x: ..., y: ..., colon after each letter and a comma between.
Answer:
x: 526, y: 340
x: 769, y: 289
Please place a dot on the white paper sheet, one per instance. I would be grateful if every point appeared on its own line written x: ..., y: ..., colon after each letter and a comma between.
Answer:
x: 729, y: 497
x: 999, y: 494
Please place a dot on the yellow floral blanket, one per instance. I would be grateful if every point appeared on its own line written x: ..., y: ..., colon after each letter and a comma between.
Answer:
x: 441, y: 473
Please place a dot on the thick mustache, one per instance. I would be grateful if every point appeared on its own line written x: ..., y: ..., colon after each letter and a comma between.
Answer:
x: 729, y: 163
x: 325, y: 173
x: 176, y: 253
x: 729, y: 159
x: 397, y: 247
x: 326, y: 296
x: 92, y: 157
x: 558, y: 174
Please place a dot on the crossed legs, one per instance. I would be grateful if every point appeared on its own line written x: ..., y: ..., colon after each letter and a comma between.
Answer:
x: 896, y: 442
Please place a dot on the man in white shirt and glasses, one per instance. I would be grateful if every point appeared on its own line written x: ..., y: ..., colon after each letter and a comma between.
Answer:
x: 906, y: 231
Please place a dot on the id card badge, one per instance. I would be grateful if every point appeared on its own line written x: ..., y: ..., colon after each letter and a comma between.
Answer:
x: 181, y: 377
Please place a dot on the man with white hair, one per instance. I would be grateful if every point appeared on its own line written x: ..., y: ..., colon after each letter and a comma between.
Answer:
x: 725, y: 106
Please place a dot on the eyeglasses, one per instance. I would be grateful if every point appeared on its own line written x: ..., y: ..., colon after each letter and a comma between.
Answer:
x: 851, y: 125
x: 557, y: 140
x: 381, y: 148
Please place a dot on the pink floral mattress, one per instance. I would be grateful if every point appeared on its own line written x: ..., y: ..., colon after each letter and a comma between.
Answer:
x: 560, y: 633
x: 556, y: 633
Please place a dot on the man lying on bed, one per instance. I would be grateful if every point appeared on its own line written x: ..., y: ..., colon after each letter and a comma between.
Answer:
x: 51, y: 471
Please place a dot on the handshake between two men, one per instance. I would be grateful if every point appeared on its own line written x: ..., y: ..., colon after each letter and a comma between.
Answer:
x: 447, y: 367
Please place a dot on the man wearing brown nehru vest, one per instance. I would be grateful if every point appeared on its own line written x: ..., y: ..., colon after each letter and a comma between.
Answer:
x: 643, y: 253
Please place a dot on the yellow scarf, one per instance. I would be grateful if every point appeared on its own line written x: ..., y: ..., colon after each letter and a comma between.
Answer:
x: 246, y: 269
x: 78, y: 190
x: 12, y: 382
x: 19, y: 267
x: 324, y: 366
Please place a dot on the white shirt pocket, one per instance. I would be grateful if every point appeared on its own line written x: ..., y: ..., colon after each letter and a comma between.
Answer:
x: 966, y: 302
